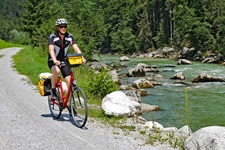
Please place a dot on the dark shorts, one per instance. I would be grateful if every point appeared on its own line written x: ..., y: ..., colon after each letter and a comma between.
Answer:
x: 65, y: 70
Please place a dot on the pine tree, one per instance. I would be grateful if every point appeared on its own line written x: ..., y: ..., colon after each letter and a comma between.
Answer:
x: 39, y: 20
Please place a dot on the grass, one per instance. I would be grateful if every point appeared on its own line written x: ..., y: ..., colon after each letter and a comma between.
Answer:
x: 4, y: 44
x: 31, y: 63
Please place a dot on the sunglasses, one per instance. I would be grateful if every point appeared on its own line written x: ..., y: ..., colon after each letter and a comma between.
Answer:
x: 63, y: 27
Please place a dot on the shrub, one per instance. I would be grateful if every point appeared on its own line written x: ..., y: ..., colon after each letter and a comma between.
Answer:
x: 101, y: 84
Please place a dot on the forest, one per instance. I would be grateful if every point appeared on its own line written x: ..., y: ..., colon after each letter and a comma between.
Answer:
x: 115, y: 26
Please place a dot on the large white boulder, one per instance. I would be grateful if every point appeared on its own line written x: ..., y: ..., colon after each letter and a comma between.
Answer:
x: 208, y: 138
x: 118, y: 104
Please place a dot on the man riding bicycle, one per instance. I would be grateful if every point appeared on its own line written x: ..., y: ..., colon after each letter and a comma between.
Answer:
x: 58, y: 44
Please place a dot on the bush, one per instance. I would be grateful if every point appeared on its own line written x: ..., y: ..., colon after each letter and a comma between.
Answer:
x: 101, y: 84
x: 19, y: 37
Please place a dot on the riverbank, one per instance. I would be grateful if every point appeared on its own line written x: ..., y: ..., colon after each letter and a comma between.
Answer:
x: 181, y: 104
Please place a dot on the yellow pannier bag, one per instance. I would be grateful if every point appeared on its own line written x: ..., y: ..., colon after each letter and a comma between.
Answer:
x: 44, y: 85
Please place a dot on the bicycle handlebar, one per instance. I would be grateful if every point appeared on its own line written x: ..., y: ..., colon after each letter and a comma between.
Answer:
x: 62, y: 64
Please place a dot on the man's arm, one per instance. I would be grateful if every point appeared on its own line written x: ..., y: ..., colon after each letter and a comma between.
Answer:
x: 78, y: 51
x: 52, y: 54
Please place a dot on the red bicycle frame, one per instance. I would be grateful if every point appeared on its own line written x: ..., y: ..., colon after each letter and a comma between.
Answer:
x: 65, y: 98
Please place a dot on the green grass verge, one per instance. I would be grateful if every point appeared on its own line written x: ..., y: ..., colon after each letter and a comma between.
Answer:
x: 4, y: 44
x: 31, y: 63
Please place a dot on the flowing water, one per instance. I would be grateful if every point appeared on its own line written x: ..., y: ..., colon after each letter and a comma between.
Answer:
x: 198, y: 105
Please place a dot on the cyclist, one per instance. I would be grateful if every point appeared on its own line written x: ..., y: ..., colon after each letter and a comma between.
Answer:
x: 58, y: 44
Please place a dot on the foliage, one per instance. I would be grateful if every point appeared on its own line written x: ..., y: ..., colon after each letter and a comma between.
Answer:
x: 175, y: 141
x: 38, y: 22
x: 115, y: 26
x: 10, y: 14
x: 101, y: 84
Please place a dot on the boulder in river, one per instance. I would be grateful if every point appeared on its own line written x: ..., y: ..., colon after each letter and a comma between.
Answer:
x: 124, y: 58
x: 142, y: 83
x: 136, y: 72
x: 206, y: 78
x: 184, y: 62
x: 179, y: 75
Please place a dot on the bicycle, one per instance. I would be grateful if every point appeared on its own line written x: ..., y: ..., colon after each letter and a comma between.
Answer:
x: 75, y: 97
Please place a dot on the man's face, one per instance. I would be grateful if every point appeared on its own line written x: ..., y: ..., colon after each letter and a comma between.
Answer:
x: 62, y: 28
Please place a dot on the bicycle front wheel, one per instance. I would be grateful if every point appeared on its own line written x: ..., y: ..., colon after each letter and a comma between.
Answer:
x: 54, y: 105
x: 79, y: 109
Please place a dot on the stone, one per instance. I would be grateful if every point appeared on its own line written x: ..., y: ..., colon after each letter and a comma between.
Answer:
x: 206, y: 78
x: 185, y: 131
x: 208, y: 138
x: 153, y: 125
x: 148, y: 108
x: 118, y: 104
x: 184, y: 62
x: 179, y: 75
x: 115, y: 77
x: 133, y: 95
x: 136, y: 72
x: 142, y: 83
x: 124, y: 58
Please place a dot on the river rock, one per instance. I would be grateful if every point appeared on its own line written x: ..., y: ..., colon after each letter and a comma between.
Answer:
x: 206, y: 78
x: 184, y: 62
x: 136, y: 72
x: 182, y: 83
x: 124, y: 58
x: 208, y: 138
x: 148, y: 68
x: 208, y: 60
x: 134, y: 95
x: 97, y: 65
x: 143, y: 65
x: 185, y: 131
x: 169, y: 52
x: 148, y: 108
x: 142, y: 83
x: 118, y: 104
x: 143, y: 92
x: 126, y: 87
x: 115, y: 77
x: 179, y: 75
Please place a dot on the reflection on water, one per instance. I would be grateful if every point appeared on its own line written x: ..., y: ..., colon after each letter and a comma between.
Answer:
x: 205, y: 101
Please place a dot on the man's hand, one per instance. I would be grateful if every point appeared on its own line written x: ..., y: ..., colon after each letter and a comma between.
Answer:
x: 57, y: 63
x: 83, y: 60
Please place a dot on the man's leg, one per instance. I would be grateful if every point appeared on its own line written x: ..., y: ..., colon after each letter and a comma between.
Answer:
x: 54, y: 79
x: 67, y: 79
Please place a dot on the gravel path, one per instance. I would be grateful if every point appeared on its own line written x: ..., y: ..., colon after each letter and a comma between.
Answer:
x: 26, y: 122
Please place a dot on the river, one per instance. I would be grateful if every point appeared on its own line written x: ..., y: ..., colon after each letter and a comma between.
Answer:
x: 198, y: 105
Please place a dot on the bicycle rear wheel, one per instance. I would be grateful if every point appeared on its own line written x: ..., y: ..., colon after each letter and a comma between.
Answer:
x: 79, y: 109
x: 54, y: 105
